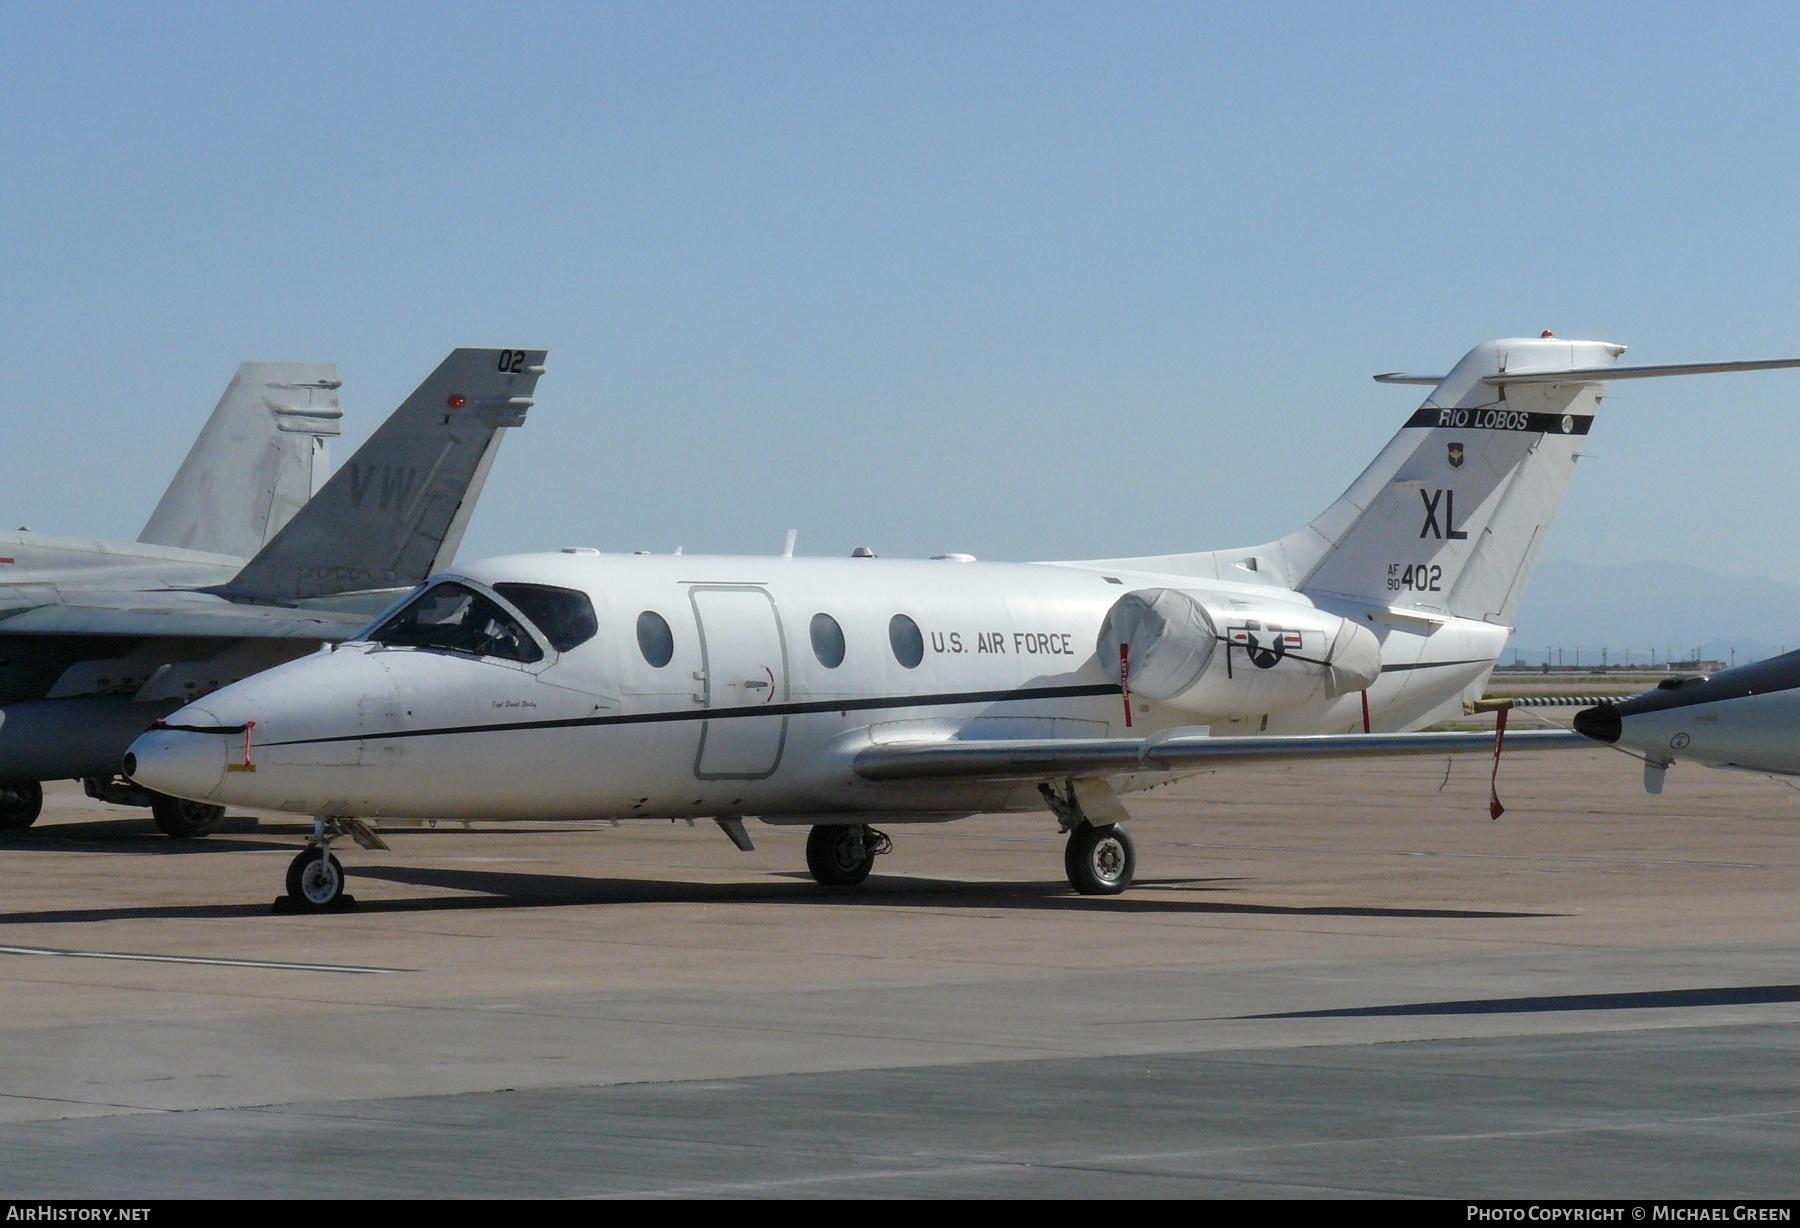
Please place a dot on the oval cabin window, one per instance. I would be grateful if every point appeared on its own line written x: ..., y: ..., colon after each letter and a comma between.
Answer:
x: 827, y: 641
x: 655, y: 640
x: 909, y: 645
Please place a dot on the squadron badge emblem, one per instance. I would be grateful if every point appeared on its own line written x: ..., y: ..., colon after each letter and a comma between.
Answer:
x: 1456, y: 456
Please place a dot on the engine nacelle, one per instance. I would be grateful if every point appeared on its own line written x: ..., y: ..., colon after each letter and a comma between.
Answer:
x: 1215, y: 657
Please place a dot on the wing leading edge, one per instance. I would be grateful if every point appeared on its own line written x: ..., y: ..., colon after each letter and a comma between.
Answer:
x: 1055, y: 759
x: 177, y: 613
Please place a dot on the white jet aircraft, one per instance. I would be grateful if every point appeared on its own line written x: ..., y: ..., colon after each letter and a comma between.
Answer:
x: 1747, y: 717
x: 832, y: 692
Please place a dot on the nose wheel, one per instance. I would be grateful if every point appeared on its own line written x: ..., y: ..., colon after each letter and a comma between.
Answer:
x: 842, y: 855
x: 315, y: 879
x: 1100, y: 860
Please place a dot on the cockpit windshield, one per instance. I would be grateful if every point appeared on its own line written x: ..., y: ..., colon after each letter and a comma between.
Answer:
x: 454, y: 618
x: 565, y: 615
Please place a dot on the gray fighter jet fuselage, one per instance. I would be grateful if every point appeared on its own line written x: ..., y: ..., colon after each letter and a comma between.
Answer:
x: 1747, y: 717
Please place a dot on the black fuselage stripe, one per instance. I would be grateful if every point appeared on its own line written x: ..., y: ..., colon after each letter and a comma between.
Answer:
x: 1394, y: 669
x: 712, y: 714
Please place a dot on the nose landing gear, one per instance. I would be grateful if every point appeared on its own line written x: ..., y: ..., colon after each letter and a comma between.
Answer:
x: 315, y: 882
x: 315, y: 879
x: 842, y: 855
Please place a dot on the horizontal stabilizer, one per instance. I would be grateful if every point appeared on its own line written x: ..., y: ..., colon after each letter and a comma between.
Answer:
x: 398, y: 507
x: 1046, y: 759
x: 1596, y: 375
x: 1593, y: 375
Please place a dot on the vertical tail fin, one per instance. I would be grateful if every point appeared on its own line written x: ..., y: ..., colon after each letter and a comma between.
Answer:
x: 257, y: 461
x: 1448, y: 520
x: 1450, y: 517
x: 401, y: 503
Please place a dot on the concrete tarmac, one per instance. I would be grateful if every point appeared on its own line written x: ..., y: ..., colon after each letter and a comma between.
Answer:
x: 1331, y: 980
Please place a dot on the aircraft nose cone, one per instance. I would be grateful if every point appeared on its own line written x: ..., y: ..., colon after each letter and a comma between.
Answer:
x: 1601, y: 723
x: 179, y: 763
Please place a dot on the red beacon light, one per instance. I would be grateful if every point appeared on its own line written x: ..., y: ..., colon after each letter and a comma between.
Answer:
x: 1545, y: 333
x: 457, y: 402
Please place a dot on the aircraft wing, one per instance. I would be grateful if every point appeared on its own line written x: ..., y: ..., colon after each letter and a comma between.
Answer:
x: 1046, y: 759
x: 175, y: 613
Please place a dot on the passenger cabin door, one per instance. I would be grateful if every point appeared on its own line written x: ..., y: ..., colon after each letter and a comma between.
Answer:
x: 744, y: 668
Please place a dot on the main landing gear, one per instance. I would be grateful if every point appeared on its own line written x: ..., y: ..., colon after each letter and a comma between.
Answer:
x: 21, y: 801
x: 315, y: 878
x: 178, y: 818
x: 185, y: 820
x: 1100, y: 860
x: 843, y: 854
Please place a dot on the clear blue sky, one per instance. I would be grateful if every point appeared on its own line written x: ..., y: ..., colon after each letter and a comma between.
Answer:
x: 1026, y: 281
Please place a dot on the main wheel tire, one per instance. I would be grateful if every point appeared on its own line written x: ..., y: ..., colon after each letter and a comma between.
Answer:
x: 21, y: 802
x: 315, y: 879
x: 1100, y: 860
x: 185, y: 820
x: 831, y: 855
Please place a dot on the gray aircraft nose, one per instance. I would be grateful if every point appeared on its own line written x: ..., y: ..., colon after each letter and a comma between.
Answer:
x: 1600, y: 722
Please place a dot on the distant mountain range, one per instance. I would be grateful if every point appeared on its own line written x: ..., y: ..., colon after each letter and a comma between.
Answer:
x: 1662, y: 606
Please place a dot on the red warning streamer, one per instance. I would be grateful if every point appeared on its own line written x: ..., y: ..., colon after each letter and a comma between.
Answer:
x: 1495, y: 809
x: 249, y: 764
x: 1125, y: 680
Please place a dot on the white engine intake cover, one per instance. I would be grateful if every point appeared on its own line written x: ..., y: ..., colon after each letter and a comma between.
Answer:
x: 1217, y: 657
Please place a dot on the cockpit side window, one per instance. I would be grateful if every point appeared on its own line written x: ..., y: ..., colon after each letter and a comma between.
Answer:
x: 565, y: 615
x: 454, y: 618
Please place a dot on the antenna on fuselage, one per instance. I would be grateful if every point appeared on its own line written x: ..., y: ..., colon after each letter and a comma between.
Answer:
x: 787, y: 549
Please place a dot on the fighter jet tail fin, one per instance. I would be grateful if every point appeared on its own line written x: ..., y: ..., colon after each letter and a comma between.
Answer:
x: 398, y: 508
x: 257, y: 461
